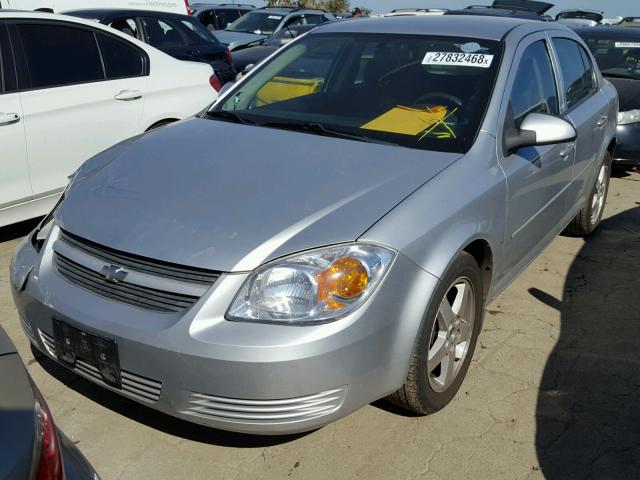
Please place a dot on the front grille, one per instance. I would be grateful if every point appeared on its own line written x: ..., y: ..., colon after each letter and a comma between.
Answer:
x: 266, y: 411
x: 152, y: 285
x: 140, y: 264
x: 135, y: 386
x: 139, y: 296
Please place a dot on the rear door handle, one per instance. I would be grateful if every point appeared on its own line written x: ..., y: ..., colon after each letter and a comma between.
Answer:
x: 7, y: 118
x: 126, y: 95
x: 564, y: 154
x: 603, y: 121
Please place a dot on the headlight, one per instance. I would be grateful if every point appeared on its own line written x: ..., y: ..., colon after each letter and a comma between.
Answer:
x: 313, y: 287
x: 631, y: 116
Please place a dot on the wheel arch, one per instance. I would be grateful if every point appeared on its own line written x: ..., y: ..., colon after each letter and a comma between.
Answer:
x: 160, y: 123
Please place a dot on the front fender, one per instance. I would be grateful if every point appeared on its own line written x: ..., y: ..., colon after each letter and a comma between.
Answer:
x: 465, y: 202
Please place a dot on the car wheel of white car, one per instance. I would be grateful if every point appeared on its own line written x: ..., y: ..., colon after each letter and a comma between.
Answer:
x: 590, y: 216
x: 446, y: 340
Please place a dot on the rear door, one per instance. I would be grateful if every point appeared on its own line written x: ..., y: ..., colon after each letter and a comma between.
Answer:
x: 14, y: 179
x: 537, y: 177
x: 584, y: 106
x: 76, y: 102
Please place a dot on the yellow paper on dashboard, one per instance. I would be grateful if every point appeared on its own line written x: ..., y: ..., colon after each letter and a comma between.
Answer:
x: 407, y: 121
x: 281, y: 88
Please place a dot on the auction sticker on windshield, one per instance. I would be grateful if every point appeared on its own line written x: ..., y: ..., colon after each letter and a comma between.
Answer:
x: 479, y: 60
x: 627, y: 44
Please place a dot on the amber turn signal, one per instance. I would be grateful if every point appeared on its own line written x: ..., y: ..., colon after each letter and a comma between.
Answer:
x: 345, y: 278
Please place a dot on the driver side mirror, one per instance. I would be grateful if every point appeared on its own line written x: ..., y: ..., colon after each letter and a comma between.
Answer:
x: 538, y: 129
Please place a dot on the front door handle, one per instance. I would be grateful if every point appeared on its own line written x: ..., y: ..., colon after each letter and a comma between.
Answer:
x: 564, y: 154
x: 7, y: 118
x: 603, y: 121
x: 127, y: 95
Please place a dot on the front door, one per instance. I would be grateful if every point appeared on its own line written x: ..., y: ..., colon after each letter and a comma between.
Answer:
x: 537, y: 177
x: 14, y: 181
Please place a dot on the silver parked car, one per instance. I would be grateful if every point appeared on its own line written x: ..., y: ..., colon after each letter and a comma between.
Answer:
x: 373, y: 187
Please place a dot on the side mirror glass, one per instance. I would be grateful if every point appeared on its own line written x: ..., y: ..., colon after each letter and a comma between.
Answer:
x: 539, y: 129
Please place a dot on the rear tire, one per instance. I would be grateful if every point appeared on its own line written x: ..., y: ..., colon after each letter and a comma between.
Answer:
x: 589, y: 217
x: 451, y: 325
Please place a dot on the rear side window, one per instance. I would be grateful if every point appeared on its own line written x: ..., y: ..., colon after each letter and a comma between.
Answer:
x: 577, y: 71
x: 534, y: 89
x: 195, y: 31
x: 162, y: 34
x: 120, y: 60
x: 59, y: 55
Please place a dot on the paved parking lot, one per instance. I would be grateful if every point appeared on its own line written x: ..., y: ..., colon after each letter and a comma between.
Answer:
x: 552, y: 391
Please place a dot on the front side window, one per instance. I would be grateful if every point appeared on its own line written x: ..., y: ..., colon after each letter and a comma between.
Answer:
x: 226, y: 17
x: 161, y: 34
x: 60, y: 55
x: 578, y: 77
x: 260, y: 23
x: 534, y: 89
x: 120, y: 60
x: 418, y: 91
x: 617, y: 57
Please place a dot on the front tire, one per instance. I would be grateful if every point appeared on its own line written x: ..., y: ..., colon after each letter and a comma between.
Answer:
x: 446, y: 340
x: 589, y: 217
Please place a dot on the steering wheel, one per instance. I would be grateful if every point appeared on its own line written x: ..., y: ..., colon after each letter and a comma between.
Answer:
x: 385, y: 78
x: 437, y: 98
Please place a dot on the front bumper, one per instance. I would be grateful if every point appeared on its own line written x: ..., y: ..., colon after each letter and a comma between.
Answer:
x: 245, y: 377
x: 628, y: 145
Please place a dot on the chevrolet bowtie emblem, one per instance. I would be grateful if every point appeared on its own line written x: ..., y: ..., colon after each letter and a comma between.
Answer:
x: 113, y: 273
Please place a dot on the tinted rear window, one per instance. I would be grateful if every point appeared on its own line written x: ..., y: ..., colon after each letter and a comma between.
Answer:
x: 120, y: 60
x: 60, y: 55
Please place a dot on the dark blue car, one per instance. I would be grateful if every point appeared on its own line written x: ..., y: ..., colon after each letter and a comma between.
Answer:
x: 180, y: 36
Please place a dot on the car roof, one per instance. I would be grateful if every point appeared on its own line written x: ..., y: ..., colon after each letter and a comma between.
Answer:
x: 607, y: 32
x: 108, y: 12
x: 488, y: 28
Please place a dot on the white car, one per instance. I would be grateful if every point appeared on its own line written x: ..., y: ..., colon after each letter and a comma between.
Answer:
x: 69, y: 89
x: 175, y: 6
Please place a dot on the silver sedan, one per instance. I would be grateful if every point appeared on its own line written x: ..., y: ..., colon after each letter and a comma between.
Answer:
x: 329, y: 231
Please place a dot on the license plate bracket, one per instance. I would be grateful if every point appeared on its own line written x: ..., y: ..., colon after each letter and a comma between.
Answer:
x: 73, y: 343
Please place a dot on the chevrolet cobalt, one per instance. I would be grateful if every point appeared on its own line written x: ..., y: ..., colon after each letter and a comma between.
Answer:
x: 374, y: 185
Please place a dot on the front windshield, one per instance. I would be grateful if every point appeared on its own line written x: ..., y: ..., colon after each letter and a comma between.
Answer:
x: 261, y: 23
x: 616, y: 57
x: 418, y: 91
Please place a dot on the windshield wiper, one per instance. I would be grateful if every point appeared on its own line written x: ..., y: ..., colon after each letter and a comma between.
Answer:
x: 229, y: 115
x: 320, y: 129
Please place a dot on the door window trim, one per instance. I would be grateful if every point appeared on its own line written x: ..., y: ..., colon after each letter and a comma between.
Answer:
x: 23, y: 75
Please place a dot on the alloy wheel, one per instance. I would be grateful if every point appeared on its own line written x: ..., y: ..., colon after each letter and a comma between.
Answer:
x: 451, y: 335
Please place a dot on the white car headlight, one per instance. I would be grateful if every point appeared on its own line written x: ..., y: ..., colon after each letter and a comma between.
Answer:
x: 312, y: 287
x: 630, y: 116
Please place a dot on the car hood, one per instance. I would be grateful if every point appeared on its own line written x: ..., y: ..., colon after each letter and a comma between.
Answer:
x: 228, y: 197
x: 628, y: 92
x: 237, y: 39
